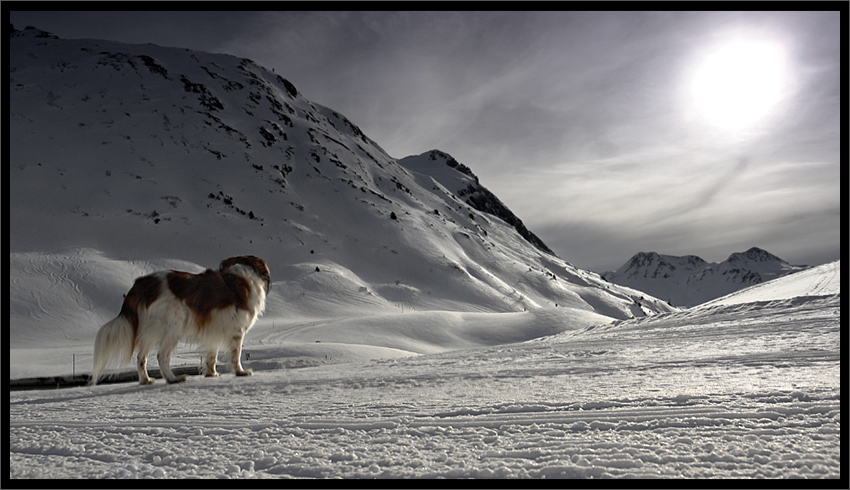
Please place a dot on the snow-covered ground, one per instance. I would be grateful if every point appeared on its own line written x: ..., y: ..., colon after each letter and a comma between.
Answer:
x: 750, y: 389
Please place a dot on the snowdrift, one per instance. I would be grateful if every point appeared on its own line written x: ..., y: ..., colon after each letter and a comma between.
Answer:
x: 822, y: 280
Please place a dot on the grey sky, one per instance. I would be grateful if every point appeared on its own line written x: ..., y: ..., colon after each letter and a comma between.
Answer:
x: 583, y: 123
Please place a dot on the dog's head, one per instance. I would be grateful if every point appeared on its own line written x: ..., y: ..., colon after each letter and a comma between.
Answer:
x: 257, y: 264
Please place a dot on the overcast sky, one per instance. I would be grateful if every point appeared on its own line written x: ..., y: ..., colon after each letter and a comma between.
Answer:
x: 587, y: 125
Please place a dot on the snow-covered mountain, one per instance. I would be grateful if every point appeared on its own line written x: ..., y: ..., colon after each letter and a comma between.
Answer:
x: 458, y: 178
x: 690, y: 280
x: 129, y: 158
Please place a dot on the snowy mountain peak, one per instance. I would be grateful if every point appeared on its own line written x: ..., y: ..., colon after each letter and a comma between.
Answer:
x: 689, y: 280
x: 654, y: 265
x: 445, y: 158
x: 754, y: 254
x: 459, y: 179
x: 31, y: 32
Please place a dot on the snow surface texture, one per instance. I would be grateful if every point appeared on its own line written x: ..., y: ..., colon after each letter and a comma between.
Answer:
x: 748, y: 390
x: 690, y: 280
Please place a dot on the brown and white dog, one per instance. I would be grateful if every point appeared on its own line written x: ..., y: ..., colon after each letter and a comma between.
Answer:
x: 213, y: 309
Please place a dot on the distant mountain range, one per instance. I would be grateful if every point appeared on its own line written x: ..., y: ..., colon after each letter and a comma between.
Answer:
x: 689, y: 280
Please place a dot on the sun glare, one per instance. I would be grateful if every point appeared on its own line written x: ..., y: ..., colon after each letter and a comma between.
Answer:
x: 739, y: 83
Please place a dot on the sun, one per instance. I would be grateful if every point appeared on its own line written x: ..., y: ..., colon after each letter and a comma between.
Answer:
x: 739, y: 83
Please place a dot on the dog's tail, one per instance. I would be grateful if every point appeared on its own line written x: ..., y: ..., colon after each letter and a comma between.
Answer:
x: 113, y: 346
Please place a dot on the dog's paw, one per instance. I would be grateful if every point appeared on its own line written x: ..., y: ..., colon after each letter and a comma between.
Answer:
x: 146, y: 382
x: 246, y: 372
x: 212, y: 375
x: 178, y: 379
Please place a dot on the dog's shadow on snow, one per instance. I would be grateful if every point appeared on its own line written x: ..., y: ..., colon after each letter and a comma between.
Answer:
x: 110, y: 391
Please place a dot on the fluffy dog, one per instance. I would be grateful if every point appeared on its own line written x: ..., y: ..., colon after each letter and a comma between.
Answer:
x: 213, y: 309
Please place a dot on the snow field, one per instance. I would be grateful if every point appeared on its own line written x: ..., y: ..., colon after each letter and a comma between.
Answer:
x: 735, y: 392
x: 664, y: 442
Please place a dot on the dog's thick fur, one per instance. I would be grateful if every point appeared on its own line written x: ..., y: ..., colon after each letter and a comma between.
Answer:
x: 213, y: 309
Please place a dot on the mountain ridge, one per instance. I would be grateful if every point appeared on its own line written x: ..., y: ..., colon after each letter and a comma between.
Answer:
x: 470, y: 189
x: 689, y: 280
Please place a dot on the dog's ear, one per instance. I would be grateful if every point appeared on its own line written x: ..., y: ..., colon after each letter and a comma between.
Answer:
x: 226, y: 264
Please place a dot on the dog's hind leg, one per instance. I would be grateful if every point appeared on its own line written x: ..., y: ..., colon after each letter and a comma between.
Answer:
x: 212, y: 356
x: 142, y: 365
x: 236, y: 356
x: 164, y: 358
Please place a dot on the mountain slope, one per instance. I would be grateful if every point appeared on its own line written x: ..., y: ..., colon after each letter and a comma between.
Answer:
x: 459, y: 179
x: 821, y: 280
x: 690, y: 280
x: 128, y: 157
